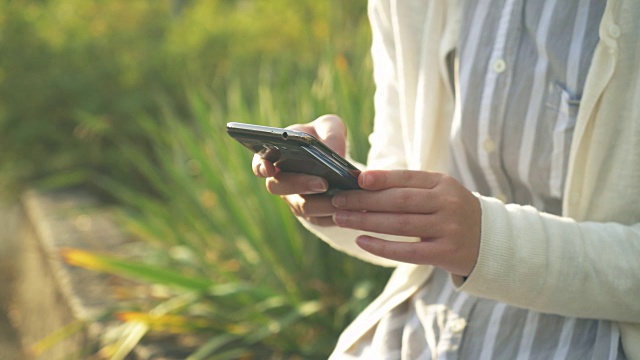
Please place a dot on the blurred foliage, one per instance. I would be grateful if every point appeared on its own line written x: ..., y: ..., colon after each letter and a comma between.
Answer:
x: 75, y: 74
x: 131, y: 99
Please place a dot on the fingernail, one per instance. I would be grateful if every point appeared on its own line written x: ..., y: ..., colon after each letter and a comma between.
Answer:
x: 317, y: 185
x: 261, y: 170
x: 339, y: 200
x: 340, y: 217
x: 363, y: 240
x: 364, y: 179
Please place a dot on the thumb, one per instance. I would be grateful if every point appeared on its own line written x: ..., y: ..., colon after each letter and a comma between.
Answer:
x: 331, y: 130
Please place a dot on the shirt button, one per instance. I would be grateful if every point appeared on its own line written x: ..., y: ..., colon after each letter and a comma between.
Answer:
x: 458, y: 325
x: 499, y: 66
x: 614, y: 31
x: 489, y: 145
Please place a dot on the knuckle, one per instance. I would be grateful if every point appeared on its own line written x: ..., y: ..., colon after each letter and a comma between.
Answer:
x: 445, y: 178
x: 403, y: 222
x: 303, y: 205
x: 357, y: 220
x: 406, y: 199
x: 411, y: 178
x: 452, y: 203
x: 408, y: 177
x: 449, y: 183
x: 296, y: 211
x: 329, y: 118
x: 451, y: 229
x: 299, y: 209
x: 293, y: 206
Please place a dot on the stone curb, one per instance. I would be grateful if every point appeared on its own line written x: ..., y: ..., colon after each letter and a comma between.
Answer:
x: 10, y: 217
x: 48, y: 293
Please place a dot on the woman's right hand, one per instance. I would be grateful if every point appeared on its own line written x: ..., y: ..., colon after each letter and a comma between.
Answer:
x: 304, y: 193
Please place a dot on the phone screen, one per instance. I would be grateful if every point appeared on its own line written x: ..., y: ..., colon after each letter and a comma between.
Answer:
x: 298, y: 152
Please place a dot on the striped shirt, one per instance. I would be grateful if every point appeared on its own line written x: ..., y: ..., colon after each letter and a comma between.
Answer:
x: 522, y: 68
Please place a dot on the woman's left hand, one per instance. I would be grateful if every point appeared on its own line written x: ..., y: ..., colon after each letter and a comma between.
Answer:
x: 433, y: 207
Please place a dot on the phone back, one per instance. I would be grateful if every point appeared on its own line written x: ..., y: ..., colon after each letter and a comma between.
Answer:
x: 298, y: 152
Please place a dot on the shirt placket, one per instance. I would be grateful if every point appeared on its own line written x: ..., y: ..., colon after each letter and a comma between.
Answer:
x: 451, y: 340
x: 499, y: 74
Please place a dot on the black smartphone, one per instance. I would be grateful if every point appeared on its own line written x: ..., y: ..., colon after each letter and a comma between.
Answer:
x: 298, y: 152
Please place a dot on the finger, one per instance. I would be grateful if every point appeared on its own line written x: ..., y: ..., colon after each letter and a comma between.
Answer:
x: 263, y: 168
x: 324, y: 221
x: 416, y: 225
x: 308, y: 128
x: 309, y: 206
x: 285, y: 183
x: 330, y: 129
x: 423, y: 252
x: 386, y: 179
x: 397, y: 200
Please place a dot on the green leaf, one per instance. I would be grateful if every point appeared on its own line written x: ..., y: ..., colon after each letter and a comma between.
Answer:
x: 135, y: 270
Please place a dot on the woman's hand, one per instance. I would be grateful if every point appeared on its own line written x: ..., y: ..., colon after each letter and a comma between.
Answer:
x: 433, y: 207
x: 304, y: 193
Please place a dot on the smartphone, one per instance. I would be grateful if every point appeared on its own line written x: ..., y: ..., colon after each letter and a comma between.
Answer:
x: 297, y: 152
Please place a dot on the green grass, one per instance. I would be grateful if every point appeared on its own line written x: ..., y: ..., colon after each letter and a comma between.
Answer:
x: 274, y: 287
x: 143, y: 124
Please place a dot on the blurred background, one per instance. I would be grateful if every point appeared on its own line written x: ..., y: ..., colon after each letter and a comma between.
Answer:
x: 129, y: 99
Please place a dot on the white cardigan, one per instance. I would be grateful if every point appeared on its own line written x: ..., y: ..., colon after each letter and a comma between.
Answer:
x: 584, y: 264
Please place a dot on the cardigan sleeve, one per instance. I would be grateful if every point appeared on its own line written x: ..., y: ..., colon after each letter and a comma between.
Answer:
x: 557, y: 265
x: 587, y: 263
